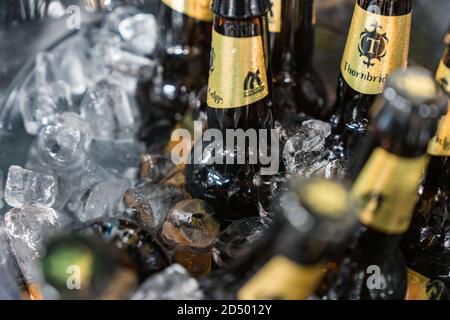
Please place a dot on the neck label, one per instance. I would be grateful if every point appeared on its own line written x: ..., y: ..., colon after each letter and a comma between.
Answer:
x: 440, y: 144
x: 376, y: 46
x: 387, y: 190
x: 197, y: 9
x: 238, y: 75
x: 282, y: 279
x: 422, y: 288
x: 275, y: 16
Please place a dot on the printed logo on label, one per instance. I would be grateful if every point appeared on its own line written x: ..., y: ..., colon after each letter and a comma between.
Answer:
x: 375, y: 47
x: 253, y: 84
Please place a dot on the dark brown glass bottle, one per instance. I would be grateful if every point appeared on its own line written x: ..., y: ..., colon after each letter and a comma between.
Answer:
x: 182, y: 71
x: 386, y: 177
x: 297, y: 87
x: 239, y: 98
x: 425, y: 245
x: 377, y: 44
x: 314, y: 223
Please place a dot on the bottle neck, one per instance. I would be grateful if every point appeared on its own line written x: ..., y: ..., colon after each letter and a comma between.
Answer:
x: 182, y: 35
x: 437, y: 179
x: 293, y: 46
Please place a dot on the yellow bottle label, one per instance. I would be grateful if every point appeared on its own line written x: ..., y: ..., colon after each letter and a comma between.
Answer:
x: 440, y: 144
x: 275, y: 16
x: 420, y: 288
x: 197, y: 9
x: 282, y: 279
x: 387, y: 190
x: 376, y: 46
x: 238, y: 72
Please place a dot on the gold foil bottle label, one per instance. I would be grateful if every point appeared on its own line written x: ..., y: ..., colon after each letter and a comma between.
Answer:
x: 376, y: 46
x: 238, y: 74
x: 440, y: 144
x: 387, y: 190
x: 197, y: 9
x: 274, y: 16
x: 282, y: 279
x: 420, y: 287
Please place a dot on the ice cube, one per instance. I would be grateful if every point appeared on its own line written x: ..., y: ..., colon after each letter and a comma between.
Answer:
x: 101, y: 199
x: 40, y: 104
x: 140, y: 33
x: 269, y: 188
x: 336, y: 169
x: 151, y: 203
x: 2, y: 204
x: 4, y: 250
x: 119, y: 157
x: 70, y: 69
x: 155, y: 167
x: 190, y: 223
x: 25, y: 187
x: 63, y: 143
x: 107, y: 109
x: 113, y: 20
x: 237, y: 238
x: 173, y: 283
x: 306, y: 147
x: 27, y: 227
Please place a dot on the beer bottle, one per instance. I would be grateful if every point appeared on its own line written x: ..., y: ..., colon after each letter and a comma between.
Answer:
x: 239, y: 99
x: 84, y: 267
x: 144, y: 251
x: 182, y: 71
x: 314, y: 221
x: 386, y: 177
x: 425, y: 244
x: 297, y: 87
x: 377, y: 44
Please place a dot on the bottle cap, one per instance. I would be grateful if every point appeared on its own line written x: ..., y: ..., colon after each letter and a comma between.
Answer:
x: 322, y: 209
x: 240, y: 9
x: 408, y: 111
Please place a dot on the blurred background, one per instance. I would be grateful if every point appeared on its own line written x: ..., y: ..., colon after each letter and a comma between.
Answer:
x: 28, y: 26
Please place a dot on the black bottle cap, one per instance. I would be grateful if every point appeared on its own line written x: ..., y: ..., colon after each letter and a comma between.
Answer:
x: 407, y: 113
x: 240, y: 9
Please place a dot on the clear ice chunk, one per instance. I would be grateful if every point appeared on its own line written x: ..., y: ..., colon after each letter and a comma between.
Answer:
x: 107, y: 109
x: 63, y: 143
x: 28, y: 226
x: 39, y: 104
x: 305, y: 152
x: 191, y: 223
x: 70, y: 69
x: 120, y: 157
x: 101, y: 200
x: 173, y: 283
x: 26, y: 187
x: 140, y: 33
x: 237, y: 238
x: 150, y: 204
